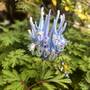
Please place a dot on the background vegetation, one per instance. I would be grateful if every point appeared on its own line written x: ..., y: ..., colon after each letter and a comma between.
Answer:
x: 19, y: 70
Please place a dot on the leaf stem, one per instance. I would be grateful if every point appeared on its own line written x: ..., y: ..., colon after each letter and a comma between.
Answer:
x: 39, y: 82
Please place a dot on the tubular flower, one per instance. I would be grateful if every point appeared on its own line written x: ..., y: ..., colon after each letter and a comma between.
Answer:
x: 47, y: 43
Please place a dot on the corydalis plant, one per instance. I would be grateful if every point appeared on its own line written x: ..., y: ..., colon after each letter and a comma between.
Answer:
x: 46, y: 43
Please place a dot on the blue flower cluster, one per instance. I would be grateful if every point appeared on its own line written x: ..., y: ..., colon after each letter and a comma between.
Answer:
x: 47, y: 43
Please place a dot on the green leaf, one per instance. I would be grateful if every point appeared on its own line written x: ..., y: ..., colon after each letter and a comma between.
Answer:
x: 9, y: 38
x: 49, y: 86
x: 10, y: 76
x: 48, y: 75
x: 26, y: 74
x: 15, y: 86
x: 88, y: 77
x: 14, y: 58
x: 2, y: 82
x: 61, y: 80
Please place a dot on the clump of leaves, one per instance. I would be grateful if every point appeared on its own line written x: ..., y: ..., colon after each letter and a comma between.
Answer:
x: 43, y: 73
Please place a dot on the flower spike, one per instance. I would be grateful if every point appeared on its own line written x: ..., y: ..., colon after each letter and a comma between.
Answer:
x: 47, y: 43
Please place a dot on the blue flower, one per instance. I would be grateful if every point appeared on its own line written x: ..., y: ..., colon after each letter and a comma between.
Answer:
x: 47, y: 43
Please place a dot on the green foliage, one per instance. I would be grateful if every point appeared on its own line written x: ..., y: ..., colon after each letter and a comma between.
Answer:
x: 9, y: 38
x: 15, y: 58
x: 13, y: 80
x: 23, y: 69
x: 27, y: 5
